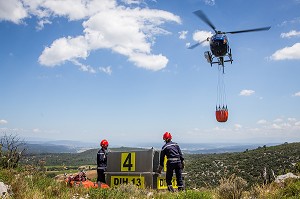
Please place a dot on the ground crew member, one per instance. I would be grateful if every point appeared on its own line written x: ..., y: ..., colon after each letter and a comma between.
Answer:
x: 174, y: 162
x: 102, y: 162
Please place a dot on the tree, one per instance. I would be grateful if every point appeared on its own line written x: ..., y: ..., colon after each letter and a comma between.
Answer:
x: 11, y: 150
x: 297, y: 167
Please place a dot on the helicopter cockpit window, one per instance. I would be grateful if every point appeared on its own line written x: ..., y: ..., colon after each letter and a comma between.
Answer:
x: 218, y: 42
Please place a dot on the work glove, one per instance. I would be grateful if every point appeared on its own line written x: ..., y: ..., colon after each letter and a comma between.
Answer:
x: 182, y: 164
x: 159, y: 169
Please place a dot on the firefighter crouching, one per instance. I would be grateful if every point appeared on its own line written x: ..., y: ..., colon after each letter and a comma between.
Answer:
x: 174, y: 162
x: 102, y: 162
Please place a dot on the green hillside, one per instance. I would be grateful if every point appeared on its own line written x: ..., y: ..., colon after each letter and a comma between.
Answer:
x: 87, y: 157
x: 203, y: 170
x: 208, y: 169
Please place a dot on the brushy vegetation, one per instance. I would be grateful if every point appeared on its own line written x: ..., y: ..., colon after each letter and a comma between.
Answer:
x: 10, y: 152
x: 232, y: 187
x: 29, y: 183
x: 230, y: 175
x: 209, y: 169
x: 204, y: 170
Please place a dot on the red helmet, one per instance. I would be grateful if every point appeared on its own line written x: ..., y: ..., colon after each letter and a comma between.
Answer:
x: 167, y: 136
x: 104, y: 143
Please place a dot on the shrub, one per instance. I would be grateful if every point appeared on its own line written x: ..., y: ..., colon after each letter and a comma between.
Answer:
x: 266, y: 191
x: 291, y: 189
x: 297, y: 167
x: 11, y: 150
x: 5, y: 175
x: 232, y: 187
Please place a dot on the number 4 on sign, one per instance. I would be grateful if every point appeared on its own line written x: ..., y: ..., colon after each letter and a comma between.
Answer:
x: 128, y: 161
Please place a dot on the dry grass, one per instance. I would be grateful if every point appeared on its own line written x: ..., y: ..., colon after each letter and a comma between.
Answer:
x: 232, y: 187
x: 30, y: 184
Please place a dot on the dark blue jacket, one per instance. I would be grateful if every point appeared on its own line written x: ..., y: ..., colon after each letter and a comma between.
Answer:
x: 173, y: 153
x: 102, y: 159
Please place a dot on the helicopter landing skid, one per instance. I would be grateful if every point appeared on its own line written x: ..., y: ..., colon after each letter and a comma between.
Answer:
x: 220, y: 60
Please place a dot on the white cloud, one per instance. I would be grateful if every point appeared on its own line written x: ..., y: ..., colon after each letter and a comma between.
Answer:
x: 293, y: 21
x: 182, y: 34
x: 106, y: 70
x: 72, y: 9
x: 3, y: 122
x: 287, y: 129
x: 292, y: 52
x: 83, y: 67
x: 276, y: 126
x: 64, y: 49
x: 291, y: 119
x: 17, y: 10
x: 42, y: 23
x: 202, y: 35
x: 36, y: 130
x: 209, y: 2
x: 297, y: 94
x: 278, y: 120
x: 32, y: 132
x: 188, y: 44
x: 262, y: 122
x: 12, y: 10
x: 130, y: 31
x: 247, y: 92
x: 151, y: 62
x: 133, y: 1
x: 292, y: 33
x: 285, y: 124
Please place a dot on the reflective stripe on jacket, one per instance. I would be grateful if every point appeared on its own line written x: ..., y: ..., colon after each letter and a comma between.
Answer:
x: 173, y: 153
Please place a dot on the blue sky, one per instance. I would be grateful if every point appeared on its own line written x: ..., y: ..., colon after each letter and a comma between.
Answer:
x: 121, y: 70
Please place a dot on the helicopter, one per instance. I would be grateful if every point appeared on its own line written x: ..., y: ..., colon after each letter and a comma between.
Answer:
x: 219, y: 45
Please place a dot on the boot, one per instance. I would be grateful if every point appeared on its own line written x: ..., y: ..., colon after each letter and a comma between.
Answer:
x: 170, y: 188
x: 99, y: 184
x: 180, y: 188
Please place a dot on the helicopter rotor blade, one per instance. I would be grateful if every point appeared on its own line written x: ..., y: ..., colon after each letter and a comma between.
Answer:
x: 197, y: 44
x: 249, y: 30
x: 204, y: 18
x: 194, y: 46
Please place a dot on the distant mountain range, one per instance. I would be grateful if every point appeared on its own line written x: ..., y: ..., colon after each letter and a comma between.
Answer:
x: 58, y: 146
x: 68, y: 146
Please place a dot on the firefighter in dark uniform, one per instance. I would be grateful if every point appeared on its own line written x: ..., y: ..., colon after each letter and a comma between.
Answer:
x: 102, y: 162
x: 175, y: 162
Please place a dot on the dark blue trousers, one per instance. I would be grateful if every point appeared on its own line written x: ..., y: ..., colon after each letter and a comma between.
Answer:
x: 177, y: 166
x: 101, y: 176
